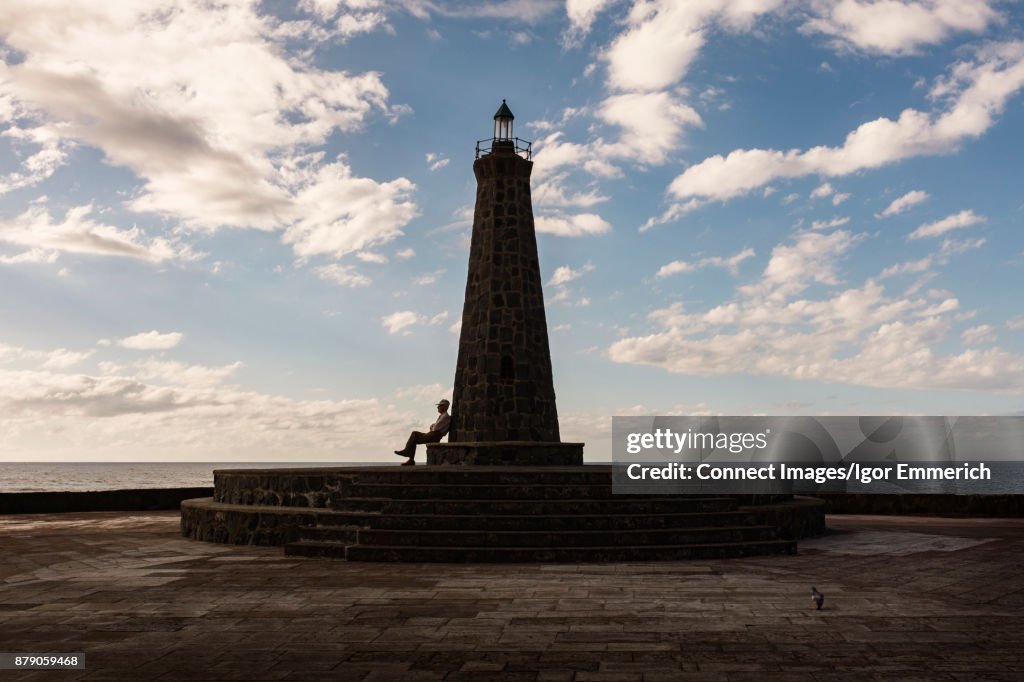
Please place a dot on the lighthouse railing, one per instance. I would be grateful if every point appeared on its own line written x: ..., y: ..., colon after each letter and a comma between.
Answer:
x: 522, y: 147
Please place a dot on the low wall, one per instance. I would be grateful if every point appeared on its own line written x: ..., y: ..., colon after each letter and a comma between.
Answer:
x: 156, y: 499
x: 140, y: 499
x: 990, y: 506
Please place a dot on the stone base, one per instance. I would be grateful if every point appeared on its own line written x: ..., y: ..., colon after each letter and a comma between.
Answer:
x: 460, y: 513
x: 506, y: 453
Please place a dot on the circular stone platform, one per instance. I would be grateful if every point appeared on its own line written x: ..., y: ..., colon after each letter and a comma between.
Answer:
x: 487, y: 514
x: 506, y: 453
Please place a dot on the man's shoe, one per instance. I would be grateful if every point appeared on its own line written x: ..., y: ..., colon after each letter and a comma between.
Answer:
x: 409, y: 463
x: 401, y: 453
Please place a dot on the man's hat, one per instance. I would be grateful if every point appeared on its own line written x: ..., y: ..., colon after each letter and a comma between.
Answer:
x: 444, y: 401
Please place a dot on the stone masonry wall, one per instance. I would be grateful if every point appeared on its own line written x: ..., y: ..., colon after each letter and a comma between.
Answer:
x: 503, y: 384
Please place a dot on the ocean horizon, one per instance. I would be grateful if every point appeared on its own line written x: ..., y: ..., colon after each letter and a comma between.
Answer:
x: 27, y: 477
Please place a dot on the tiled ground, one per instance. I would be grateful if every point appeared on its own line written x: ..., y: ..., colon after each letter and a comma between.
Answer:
x: 905, y: 599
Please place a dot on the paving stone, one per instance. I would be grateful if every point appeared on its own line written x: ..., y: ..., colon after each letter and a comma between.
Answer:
x: 143, y: 603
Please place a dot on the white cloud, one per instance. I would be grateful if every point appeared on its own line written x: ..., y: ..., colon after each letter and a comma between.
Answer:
x: 823, y: 190
x: 792, y: 268
x: 564, y: 274
x: 345, y: 275
x: 957, y: 221
x: 673, y: 212
x: 401, y: 320
x: 674, y: 268
x: 30, y: 256
x: 1016, y: 324
x: 213, y: 112
x: 664, y: 37
x: 576, y: 225
x: 151, y: 340
x: 528, y: 11
x: 839, y: 197
x: 371, y: 257
x: 112, y: 417
x: 405, y: 254
x: 428, y: 278
x: 172, y: 373
x: 857, y: 335
x: 63, y: 358
x: 731, y: 263
x: 77, y: 233
x: 562, y: 295
x: 552, y: 192
x: 436, y: 161
x: 349, y: 25
x: 954, y: 246
x: 8, y: 352
x: 581, y: 15
x: 342, y: 214
x: 425, y: 392
x: 325, y: 9
x: 980, y: 335
x: 828, y: 224
x: 897, y: 27
x: 950, y: 247
x: 49, y: 155
x: 651, y: 123
x: 911, y: 267
x: 903, y: 203
x: 976, y: 91
x: 349, y: 17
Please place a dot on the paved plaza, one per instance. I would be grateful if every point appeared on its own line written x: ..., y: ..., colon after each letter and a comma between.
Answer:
x: 905, y: 598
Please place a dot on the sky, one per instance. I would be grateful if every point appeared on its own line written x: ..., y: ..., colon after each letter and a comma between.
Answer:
x: 239, y: 231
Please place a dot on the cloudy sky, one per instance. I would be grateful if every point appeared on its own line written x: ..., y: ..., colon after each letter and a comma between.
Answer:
x: 233, y: 230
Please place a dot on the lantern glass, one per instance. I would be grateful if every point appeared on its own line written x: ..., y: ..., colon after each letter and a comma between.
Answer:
x: 503, y: 128
x: 503, y: 123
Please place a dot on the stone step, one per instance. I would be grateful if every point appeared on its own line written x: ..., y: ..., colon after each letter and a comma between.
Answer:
x: 581, y: 538
x: 582, y: 475
x: 623, y: 504
x: 608, y: 522
x: 481, y: 491
x: 362, y: 519
x: 348, y: 535
x: 546, y: 554
x: 316, y: 549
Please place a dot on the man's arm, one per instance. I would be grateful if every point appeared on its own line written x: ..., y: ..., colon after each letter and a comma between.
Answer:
x: 442, y: 424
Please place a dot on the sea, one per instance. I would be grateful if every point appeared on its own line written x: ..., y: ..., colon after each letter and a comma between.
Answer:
x: 24, y: 477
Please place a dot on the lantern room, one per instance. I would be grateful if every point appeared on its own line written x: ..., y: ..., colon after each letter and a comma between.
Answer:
x: 503, y: 123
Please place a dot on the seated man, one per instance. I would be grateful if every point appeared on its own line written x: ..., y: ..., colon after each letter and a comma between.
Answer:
x: 437, y: 431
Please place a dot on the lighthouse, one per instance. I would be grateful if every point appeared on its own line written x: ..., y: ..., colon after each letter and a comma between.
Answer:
x: 503, y: 409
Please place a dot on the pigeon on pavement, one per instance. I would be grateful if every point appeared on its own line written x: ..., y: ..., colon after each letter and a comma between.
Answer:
x: 817, y: 597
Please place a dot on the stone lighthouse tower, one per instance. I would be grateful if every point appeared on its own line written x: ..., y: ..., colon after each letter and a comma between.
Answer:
x: 504, y: 399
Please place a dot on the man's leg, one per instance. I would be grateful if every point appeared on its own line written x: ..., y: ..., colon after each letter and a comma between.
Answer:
x: 415, y: 438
